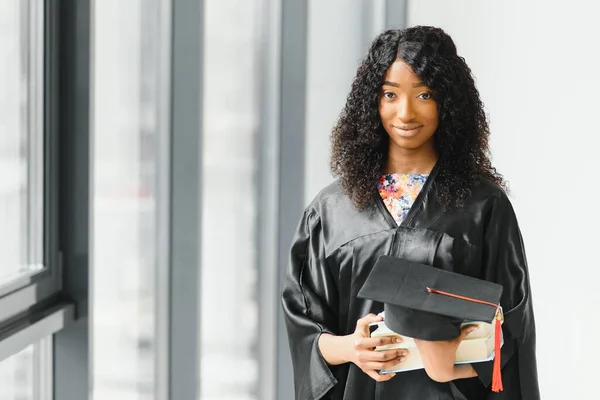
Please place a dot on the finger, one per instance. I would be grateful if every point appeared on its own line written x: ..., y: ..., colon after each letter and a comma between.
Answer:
x: 392, y: 364
x: 389, y: 354
x: 380, y: 356
x: 379, y: 377
x: 362, y: 324
x: 383, y: 365
x: 370, y: 343
x: 467, y: 330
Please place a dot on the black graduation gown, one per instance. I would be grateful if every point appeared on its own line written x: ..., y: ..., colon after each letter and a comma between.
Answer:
x: 332, y: 253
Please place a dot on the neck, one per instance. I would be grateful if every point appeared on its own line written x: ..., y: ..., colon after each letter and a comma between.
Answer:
x: 411, y: 161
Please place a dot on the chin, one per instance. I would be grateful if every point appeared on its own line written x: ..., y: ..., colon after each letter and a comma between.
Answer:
x: 409, y: 144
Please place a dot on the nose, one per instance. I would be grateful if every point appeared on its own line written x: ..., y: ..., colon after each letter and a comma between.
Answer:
x: 404, y: 110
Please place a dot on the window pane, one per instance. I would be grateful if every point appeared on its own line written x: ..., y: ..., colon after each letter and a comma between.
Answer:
x: 125, y: 132
x: 20, y: 189
x: 17, y: 375
x: 229, y: 278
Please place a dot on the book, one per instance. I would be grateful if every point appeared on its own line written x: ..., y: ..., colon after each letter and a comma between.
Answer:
x: 478, y: 346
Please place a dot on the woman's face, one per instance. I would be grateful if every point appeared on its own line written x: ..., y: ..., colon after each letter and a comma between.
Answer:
x: 408, y: 112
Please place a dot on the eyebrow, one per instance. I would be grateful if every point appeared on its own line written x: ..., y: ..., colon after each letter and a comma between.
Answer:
x: 394, y: 84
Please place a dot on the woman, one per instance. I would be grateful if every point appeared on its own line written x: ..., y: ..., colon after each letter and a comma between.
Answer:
x: 415, y: 181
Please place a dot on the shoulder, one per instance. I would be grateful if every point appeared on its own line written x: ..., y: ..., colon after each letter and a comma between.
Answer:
x: 488, y: 190
x: 331, y: 197
x: 491, y: 199
x: 339, y: 220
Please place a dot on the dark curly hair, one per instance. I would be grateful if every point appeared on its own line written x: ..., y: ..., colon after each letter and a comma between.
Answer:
x: 360, y: 143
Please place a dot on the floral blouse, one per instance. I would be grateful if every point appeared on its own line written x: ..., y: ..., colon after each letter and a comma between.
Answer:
x: 399, y: 192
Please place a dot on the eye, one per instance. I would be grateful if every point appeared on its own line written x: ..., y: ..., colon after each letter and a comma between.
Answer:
x: 389, y: 95
x: 425, y: 96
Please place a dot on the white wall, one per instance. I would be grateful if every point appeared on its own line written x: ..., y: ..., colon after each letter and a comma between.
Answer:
x: 536, y: 64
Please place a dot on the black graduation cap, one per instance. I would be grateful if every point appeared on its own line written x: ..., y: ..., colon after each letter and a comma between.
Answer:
x: 429, y: 303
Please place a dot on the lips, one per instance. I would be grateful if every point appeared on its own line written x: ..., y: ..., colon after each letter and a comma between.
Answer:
x: 408, y: 128
x: 407, y: 131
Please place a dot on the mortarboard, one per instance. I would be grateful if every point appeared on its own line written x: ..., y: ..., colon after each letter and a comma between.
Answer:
x: 429, y: 303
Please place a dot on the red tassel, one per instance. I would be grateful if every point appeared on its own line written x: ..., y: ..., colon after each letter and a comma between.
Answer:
x: 497, y: 374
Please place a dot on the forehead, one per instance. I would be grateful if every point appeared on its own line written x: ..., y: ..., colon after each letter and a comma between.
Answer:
x: 400, y: 72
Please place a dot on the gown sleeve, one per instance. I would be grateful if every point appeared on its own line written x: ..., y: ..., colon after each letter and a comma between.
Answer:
x: 309, y: 300
x: 504, y: 262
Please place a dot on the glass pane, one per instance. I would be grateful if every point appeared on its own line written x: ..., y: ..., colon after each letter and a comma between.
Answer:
x: 17, y: 375
x: 231, y: 122
x: 17, y: 136
x: 125, y: 131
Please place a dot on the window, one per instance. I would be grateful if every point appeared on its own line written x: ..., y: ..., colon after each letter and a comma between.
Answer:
x: 28, y: 272
x: 17, y: 376
x: 229, y: 207
x: 28, y: 255
x: 21, y: 144
x: 125, y: 135
x: 27, y: 374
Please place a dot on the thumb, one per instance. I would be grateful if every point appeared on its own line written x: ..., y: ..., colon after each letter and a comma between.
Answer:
x: 468, y: 330
x: 362, y: 325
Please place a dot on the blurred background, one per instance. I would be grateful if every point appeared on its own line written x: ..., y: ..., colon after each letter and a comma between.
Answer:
x: 272, y: 77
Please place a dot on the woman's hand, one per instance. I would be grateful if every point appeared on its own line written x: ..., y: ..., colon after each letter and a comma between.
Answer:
x: 358, y: 348
x: 369, y: 360
x: 439, y: 358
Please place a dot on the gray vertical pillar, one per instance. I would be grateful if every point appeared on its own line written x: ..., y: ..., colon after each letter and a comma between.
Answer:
x: 379, y: 15
x: 185, y: 202
x: 373, y: 20
x: 69, y: 74
x: 162, y: 280
x: 291, y: 160
x: 396, y: 14
x: 267, y: 238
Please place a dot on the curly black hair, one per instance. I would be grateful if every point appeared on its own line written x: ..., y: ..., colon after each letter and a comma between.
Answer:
x: 360, y: 143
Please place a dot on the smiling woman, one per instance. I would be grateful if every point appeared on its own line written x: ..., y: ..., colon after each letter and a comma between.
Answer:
x: 416, y: 184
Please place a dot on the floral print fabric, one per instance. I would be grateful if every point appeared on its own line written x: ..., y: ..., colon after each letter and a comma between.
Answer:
x: 399, y: 191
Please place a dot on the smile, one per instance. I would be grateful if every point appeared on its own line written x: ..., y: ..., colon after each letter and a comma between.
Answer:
x: 407, y: 132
